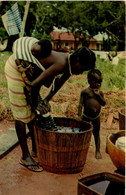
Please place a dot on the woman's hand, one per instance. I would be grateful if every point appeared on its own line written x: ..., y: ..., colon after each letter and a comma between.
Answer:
x: 43, y: 106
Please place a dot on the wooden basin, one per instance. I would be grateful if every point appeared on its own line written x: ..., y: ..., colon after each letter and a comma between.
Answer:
x: 63, y: 152
x: 117, y: 156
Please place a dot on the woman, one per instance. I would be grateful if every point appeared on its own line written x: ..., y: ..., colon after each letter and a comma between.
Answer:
x: 32, y: 65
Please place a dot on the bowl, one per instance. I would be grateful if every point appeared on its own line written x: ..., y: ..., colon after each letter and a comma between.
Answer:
x: 117, y: 155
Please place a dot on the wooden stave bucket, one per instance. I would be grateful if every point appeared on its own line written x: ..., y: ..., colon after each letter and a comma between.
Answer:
x: 63, y: 152
x: 117, y: 156
x: 121, y: 114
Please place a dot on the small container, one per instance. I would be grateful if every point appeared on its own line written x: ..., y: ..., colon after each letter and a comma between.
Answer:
x: 102, y: 184
x: 117, y: 156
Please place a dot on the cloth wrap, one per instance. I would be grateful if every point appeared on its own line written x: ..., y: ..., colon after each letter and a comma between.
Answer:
x: 17, y: 80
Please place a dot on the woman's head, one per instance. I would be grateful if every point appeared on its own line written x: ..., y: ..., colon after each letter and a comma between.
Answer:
x: 81, y: 60
x: 94, y: 78
x: 42, y: 48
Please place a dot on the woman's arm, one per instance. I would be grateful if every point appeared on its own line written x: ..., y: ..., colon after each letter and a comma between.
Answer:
x: 43, y: 79
x: 57, y: 85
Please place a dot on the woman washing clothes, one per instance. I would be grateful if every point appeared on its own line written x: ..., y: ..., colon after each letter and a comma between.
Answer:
x: 33, y: 64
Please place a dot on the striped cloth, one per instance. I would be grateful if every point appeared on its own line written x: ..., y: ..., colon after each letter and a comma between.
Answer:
x: 22, y: 50
x: 16, y: 82
x: 17, y: 79
x: 12, y: 20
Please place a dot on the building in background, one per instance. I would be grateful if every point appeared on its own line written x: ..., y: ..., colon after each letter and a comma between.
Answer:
x: 65, y: 41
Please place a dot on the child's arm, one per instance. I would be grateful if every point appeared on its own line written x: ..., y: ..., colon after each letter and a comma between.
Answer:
x: 100, y: 97
x: 80, y: 105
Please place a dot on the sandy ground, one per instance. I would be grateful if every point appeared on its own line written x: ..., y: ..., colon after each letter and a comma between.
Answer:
x: 17, y: 180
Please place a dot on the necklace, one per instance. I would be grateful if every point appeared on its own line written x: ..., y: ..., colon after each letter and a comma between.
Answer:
x: 90, y: 88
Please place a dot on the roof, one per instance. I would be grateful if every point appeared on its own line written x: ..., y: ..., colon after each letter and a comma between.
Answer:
x: 63, y: 36
x: 68, y: 36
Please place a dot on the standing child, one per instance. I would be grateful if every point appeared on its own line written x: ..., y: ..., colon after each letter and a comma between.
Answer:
x: 91, y: 100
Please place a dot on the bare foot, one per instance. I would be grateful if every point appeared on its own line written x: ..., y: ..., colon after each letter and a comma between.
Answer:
x: 98, y: 155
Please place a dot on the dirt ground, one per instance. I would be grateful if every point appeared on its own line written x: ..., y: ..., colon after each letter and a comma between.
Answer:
x: 17, y: 180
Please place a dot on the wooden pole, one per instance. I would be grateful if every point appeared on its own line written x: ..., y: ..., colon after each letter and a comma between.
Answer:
x: 24, y: 19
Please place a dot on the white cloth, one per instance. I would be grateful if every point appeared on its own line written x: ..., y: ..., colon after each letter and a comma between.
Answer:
x: 120, y: 143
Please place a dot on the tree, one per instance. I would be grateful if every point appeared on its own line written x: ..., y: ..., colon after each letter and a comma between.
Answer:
x: 105, y: 16
x: 112, y: 20
x: 43, y: 20
x: 24, y: 19
x: 79, y: 17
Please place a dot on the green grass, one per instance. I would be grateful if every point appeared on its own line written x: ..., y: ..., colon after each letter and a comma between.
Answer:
x: 3, y: 58
x: 119, y: 103
x: 113, y: 75
x: 3, y: 83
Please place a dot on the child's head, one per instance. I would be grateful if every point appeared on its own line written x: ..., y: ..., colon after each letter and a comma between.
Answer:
x: 94, y: 78
x: 46, y: 47
x: 42, y: 48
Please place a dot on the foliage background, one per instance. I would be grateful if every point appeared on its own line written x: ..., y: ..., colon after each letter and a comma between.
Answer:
x: 77, y: 16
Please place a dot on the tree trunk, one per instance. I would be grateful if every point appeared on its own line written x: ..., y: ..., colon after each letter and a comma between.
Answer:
x: 24, y: 19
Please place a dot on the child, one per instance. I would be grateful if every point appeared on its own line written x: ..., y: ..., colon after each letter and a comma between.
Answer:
x: 91, y: 99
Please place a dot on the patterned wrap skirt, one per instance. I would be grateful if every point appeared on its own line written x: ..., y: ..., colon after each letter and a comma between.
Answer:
x: 16, y: 82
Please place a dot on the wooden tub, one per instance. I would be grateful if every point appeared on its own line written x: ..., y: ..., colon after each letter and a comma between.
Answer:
x: 63, y: 152
x: 117, y: 156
